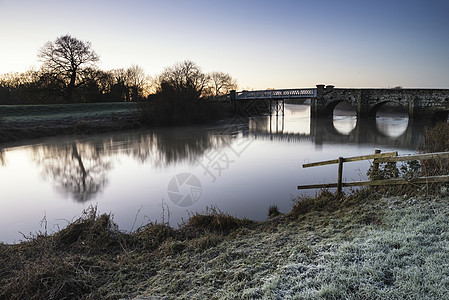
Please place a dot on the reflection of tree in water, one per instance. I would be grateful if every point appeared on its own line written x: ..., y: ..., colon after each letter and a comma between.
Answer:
x: 2, y: 157
x: 173, y: 148
x: 78, y: 169
x: 167, y: 147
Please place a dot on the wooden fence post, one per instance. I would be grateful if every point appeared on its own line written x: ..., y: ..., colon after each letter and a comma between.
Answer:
x: 375, y: 172
x: 340, y: 174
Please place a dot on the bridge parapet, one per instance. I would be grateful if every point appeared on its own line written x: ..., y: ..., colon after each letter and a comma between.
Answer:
x: 276, y: 94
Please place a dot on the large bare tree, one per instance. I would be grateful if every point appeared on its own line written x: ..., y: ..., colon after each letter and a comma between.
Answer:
x: 68, y: 59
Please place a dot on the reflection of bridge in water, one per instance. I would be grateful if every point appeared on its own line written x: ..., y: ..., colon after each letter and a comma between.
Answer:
x: 322, y: 130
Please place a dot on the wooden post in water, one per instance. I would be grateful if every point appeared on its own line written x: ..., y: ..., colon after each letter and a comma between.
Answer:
x: 374, y: 173
x: 340, y: 174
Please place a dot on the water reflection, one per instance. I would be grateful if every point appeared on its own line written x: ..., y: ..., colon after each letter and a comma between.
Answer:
x: 392, y: 119
x: 80, y: 169
x: 2, y: 157
x: 76, y: 169
x: 344, y: 124
x: 128, y: 170
x: 392, y: 126
x: 344, y: 118
x: 344, y: 127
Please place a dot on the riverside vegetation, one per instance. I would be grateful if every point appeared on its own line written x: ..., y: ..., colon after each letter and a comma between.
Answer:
x: 370, y: 243
x: 69, y: 94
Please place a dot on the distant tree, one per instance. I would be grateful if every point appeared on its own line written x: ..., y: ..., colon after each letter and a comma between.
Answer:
x: 69, y: 59
x: 221, y: 83
x: 31, y: 87
x: 130, y: 84
x: 185, y: 78
x: 137, y: 83
x: 119, y: 90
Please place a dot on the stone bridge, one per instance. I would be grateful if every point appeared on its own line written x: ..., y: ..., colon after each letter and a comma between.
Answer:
x: 419, y: 103
x: 427, y: 103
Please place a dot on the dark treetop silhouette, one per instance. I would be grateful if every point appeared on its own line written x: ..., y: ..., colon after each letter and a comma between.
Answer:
x: 68, y: 59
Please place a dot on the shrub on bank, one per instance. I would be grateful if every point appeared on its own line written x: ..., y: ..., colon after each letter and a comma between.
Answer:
x: 179, y: 107
x: 436, y: 140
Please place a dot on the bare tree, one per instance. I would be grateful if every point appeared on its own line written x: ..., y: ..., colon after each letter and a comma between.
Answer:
x: 69, y: 59
x: 137, y: 82
x: 185, y: 77
x: 131, y: 84
x: 221, y: 83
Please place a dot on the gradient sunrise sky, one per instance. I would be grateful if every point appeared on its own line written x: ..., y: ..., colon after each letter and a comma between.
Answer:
x: 263, y: 44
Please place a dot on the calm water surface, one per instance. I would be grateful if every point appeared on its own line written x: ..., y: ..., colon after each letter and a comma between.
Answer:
x: 241, y: 167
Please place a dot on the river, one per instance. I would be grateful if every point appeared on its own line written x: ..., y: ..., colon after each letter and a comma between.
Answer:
x: 162, y: 175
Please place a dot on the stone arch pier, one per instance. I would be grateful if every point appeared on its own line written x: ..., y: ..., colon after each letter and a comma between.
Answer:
x: 419, y: 103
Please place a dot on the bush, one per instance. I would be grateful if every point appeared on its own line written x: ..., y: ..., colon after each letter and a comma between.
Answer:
x: 436, y: 140
x: 173, y: 107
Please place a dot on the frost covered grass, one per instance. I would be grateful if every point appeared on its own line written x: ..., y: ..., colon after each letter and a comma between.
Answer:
x: 328, y: 254
x: 359, y: 246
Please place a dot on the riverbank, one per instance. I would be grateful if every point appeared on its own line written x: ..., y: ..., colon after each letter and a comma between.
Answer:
x: 363, y: 245
x: 21, y: 122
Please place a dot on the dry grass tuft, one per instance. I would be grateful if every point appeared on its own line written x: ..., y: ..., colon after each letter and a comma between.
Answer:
x: 206, y: 241
x: 273, y: 211
x: 151, y: 236
x: 215, y: 221
x: 90, y: 234
x: 325, y: 201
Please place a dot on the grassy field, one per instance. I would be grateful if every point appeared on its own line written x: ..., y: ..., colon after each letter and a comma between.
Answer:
x: 33, y: 113
x: 361, y: 246
x: 22, y: 122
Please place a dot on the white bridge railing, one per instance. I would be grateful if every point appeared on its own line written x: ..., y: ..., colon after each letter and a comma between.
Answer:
x: 276, y: 94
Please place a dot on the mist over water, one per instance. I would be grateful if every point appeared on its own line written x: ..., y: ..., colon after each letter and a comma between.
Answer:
x: 239, y: 166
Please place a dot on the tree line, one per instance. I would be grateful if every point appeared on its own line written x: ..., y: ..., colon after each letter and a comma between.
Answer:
x: 69, y: 74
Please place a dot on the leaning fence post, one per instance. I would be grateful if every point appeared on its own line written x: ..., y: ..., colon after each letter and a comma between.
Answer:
x: 374, y: 173
x: 340, y: 174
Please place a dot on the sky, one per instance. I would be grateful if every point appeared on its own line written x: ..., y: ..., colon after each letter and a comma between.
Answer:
x: 263, y: 44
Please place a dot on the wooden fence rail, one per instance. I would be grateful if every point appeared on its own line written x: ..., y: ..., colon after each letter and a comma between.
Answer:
x: 377, y: 159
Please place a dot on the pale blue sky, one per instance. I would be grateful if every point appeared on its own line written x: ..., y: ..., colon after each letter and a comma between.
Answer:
x: 263, y: 44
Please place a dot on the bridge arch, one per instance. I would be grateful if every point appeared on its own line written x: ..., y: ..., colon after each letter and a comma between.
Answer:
x: 377, y: 107
x: 330, y: 107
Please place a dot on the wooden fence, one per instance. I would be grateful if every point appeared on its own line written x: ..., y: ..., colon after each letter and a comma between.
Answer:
x: 378, y: 158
